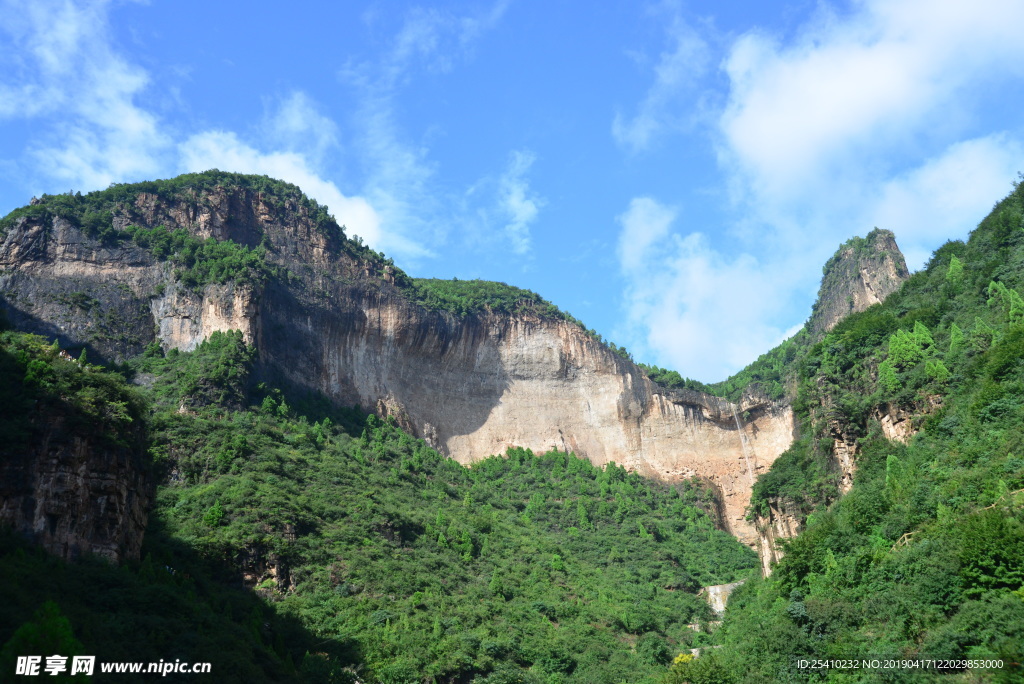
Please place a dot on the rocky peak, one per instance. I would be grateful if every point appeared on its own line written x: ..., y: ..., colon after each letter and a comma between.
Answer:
x: 862, y: 272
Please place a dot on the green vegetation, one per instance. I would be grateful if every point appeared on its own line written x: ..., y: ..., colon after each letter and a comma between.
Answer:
x: 463, y: 297
x: 366, y: 554
x: 769, y: 375
x: 94, y: 211
x: 36, y: 380
x: 924, y: 557
x: 672, y: 379
x: 198, y: 261
x: 369, y: 552
x: 201, y: 262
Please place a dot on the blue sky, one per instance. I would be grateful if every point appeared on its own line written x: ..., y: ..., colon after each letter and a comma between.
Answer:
x: 673, y: 174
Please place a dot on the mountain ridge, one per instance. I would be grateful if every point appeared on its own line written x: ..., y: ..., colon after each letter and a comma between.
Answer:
x: 174, y: 261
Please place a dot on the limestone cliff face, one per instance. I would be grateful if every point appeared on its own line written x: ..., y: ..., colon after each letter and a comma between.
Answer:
x: 780, y: 523
x: 864, y: 271
x: 75, y: 494
x: 335, y: 322
x: 473, y: 387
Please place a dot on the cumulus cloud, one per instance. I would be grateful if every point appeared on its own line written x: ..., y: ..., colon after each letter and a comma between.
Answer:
x: 947, y: 194
x: 60, y: 69
x: 860, y: 90
x: 873, y: 116
x: 699, y: 311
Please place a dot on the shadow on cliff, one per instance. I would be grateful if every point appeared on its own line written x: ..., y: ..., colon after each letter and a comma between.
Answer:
x: 419, y: 366
x: 174, y: 604
x: 19, y: 319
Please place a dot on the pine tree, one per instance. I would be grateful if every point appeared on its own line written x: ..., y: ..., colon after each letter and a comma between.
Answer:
x: 955, y: 274
x: 888, y: 380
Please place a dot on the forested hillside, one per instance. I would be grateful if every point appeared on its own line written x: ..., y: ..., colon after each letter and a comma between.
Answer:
x: 924, y: 557
x: 367, y: 553
x: 294, y: 539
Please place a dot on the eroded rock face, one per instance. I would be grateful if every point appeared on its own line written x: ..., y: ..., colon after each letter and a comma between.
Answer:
x: 471, y: 386
x: 780, y: 523
x: 476, y: 386
x: 75, y: 495
x: 717, y: 595
x: 864, y: 271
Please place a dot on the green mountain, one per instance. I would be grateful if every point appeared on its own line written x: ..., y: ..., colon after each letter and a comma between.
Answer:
x: 923, y: 557
x: 212, y: 491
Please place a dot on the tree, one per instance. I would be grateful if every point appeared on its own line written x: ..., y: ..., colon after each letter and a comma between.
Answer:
x: 955, y: 274
x: 888, y: 380
x: 47, y: 633
x: 905, y: 349
x: 936, y: 370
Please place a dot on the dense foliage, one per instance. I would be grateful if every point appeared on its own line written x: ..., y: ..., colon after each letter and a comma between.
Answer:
x: 373, y: 554
x: 93, y: 212
x: 198, y: 261
x: 672, y: 379
x: 463, y: 297
x: 924, y: 557
x: 36, y: 379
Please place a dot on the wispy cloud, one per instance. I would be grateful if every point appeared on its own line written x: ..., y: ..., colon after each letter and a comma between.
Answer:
x: 297, y: 123
x: 61, y: 71
x: 399, y: 175
x: 677, y: 70
x: 516, y: 201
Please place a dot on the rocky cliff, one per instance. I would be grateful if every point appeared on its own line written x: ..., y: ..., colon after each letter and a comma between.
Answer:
x: 862, y: 272
x: 328, y: 315
x: 74, y: 475
x: 336, y: 318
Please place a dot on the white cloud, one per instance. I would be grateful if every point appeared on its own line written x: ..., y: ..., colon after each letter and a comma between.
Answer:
x: 399, y: 176
x: 223, y: 150
x: 874, y: 116
x: 860, y: 89
x: 59, y: 68
x: 297, y: 124
x: 645, y: 223
x: 699, y: 311
x: 946, y: 195
x: 516, y: 202
x: 677, y: 69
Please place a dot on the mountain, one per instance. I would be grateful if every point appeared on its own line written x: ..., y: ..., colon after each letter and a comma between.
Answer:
x: 319, y: 428
x: 862, y: 272
x: 906, y: 485
x: 473, y: 368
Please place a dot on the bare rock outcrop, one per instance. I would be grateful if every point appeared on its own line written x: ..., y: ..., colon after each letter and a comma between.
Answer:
x: 862, y: 272
x: 75, y: 493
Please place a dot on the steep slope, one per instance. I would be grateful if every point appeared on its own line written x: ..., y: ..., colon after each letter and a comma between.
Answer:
x: 365, y: 551
x: 74, y: 474
x: 173, y: 261
x: 176, y: 260
x: 922, y: 557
